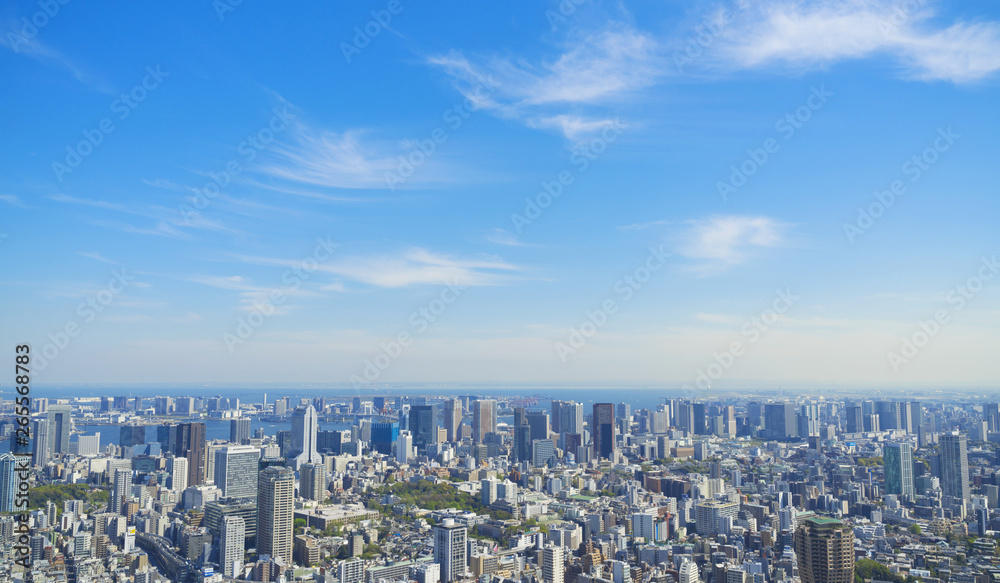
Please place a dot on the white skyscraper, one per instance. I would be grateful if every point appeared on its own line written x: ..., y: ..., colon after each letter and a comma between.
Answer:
x: 232, y: 545
x: 404, y: 447
x: 178, y: 467
x: 553, y: 564
x: 236, y: 471
x: 304, y: 429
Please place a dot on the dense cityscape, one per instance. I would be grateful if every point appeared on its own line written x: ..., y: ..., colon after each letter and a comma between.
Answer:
x: 506, y: 490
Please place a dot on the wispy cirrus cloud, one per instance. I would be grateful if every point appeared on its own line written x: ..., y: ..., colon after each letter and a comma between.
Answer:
x: 414, y: 266
x: 12, y: 200
x: 34, y: 49
x: 503, y: 237
x: 329, y: 159
x: 314, y: 160
x: 804, y: 35
x: 721, y: 241
x: 97, y: 257
x: 570, y: 93
x: 164, y: 222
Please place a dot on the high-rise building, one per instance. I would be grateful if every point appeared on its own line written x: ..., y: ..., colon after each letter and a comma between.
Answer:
x: 132, y: 435
x: 916, y: 417
x: 855, y: 420
x: 898, y: 461
x: 275, y: 504
x: 955, y: 466
x: 449, y: 550
x: 236, y: 471
x: 60, y: 423
x: 421, y: 426
x: 603, y: 430
x: 700, y: 419
x: 553, y: 564
x: 779, y: 421
x: 304, y: 429
x: 567, y: 417
x: 178, y: 468
x: 808, y: 421
x: 312, y: 482
x: 218, y: 510
x: 186, y: 440
x: 404, y: 447
x: 684, y: 416
x: 121, y: 487
x: 452, y: 418
x: 328, y: 442
x: 232, y: 545
x: 384, y: 436
x: 542, y: 452
x: 41, y: 446
x: 538, y: 421
x: 484, y: 420
x: 824, y: 548
x: 708, y: 515
x: 8, y: 482
x: 522, y: 443
x: 888, y: 415
x: 239, y: 430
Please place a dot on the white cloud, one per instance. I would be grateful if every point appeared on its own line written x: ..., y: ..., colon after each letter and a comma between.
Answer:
x: 722, y: 241
x: 502, y: 237
x: 596, y: 70
x: 12, y: 200
x: 814, y: 34
x: 168, y: 223
x: 414, y: 266
x: 34, y: 49
x: 330, y: 159
x: 96, y: 256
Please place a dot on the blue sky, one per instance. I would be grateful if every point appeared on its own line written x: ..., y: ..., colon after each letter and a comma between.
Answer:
x: 206, y: 150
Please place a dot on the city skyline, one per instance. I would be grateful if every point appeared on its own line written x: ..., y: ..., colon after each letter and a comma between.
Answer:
x: 623, y: 192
